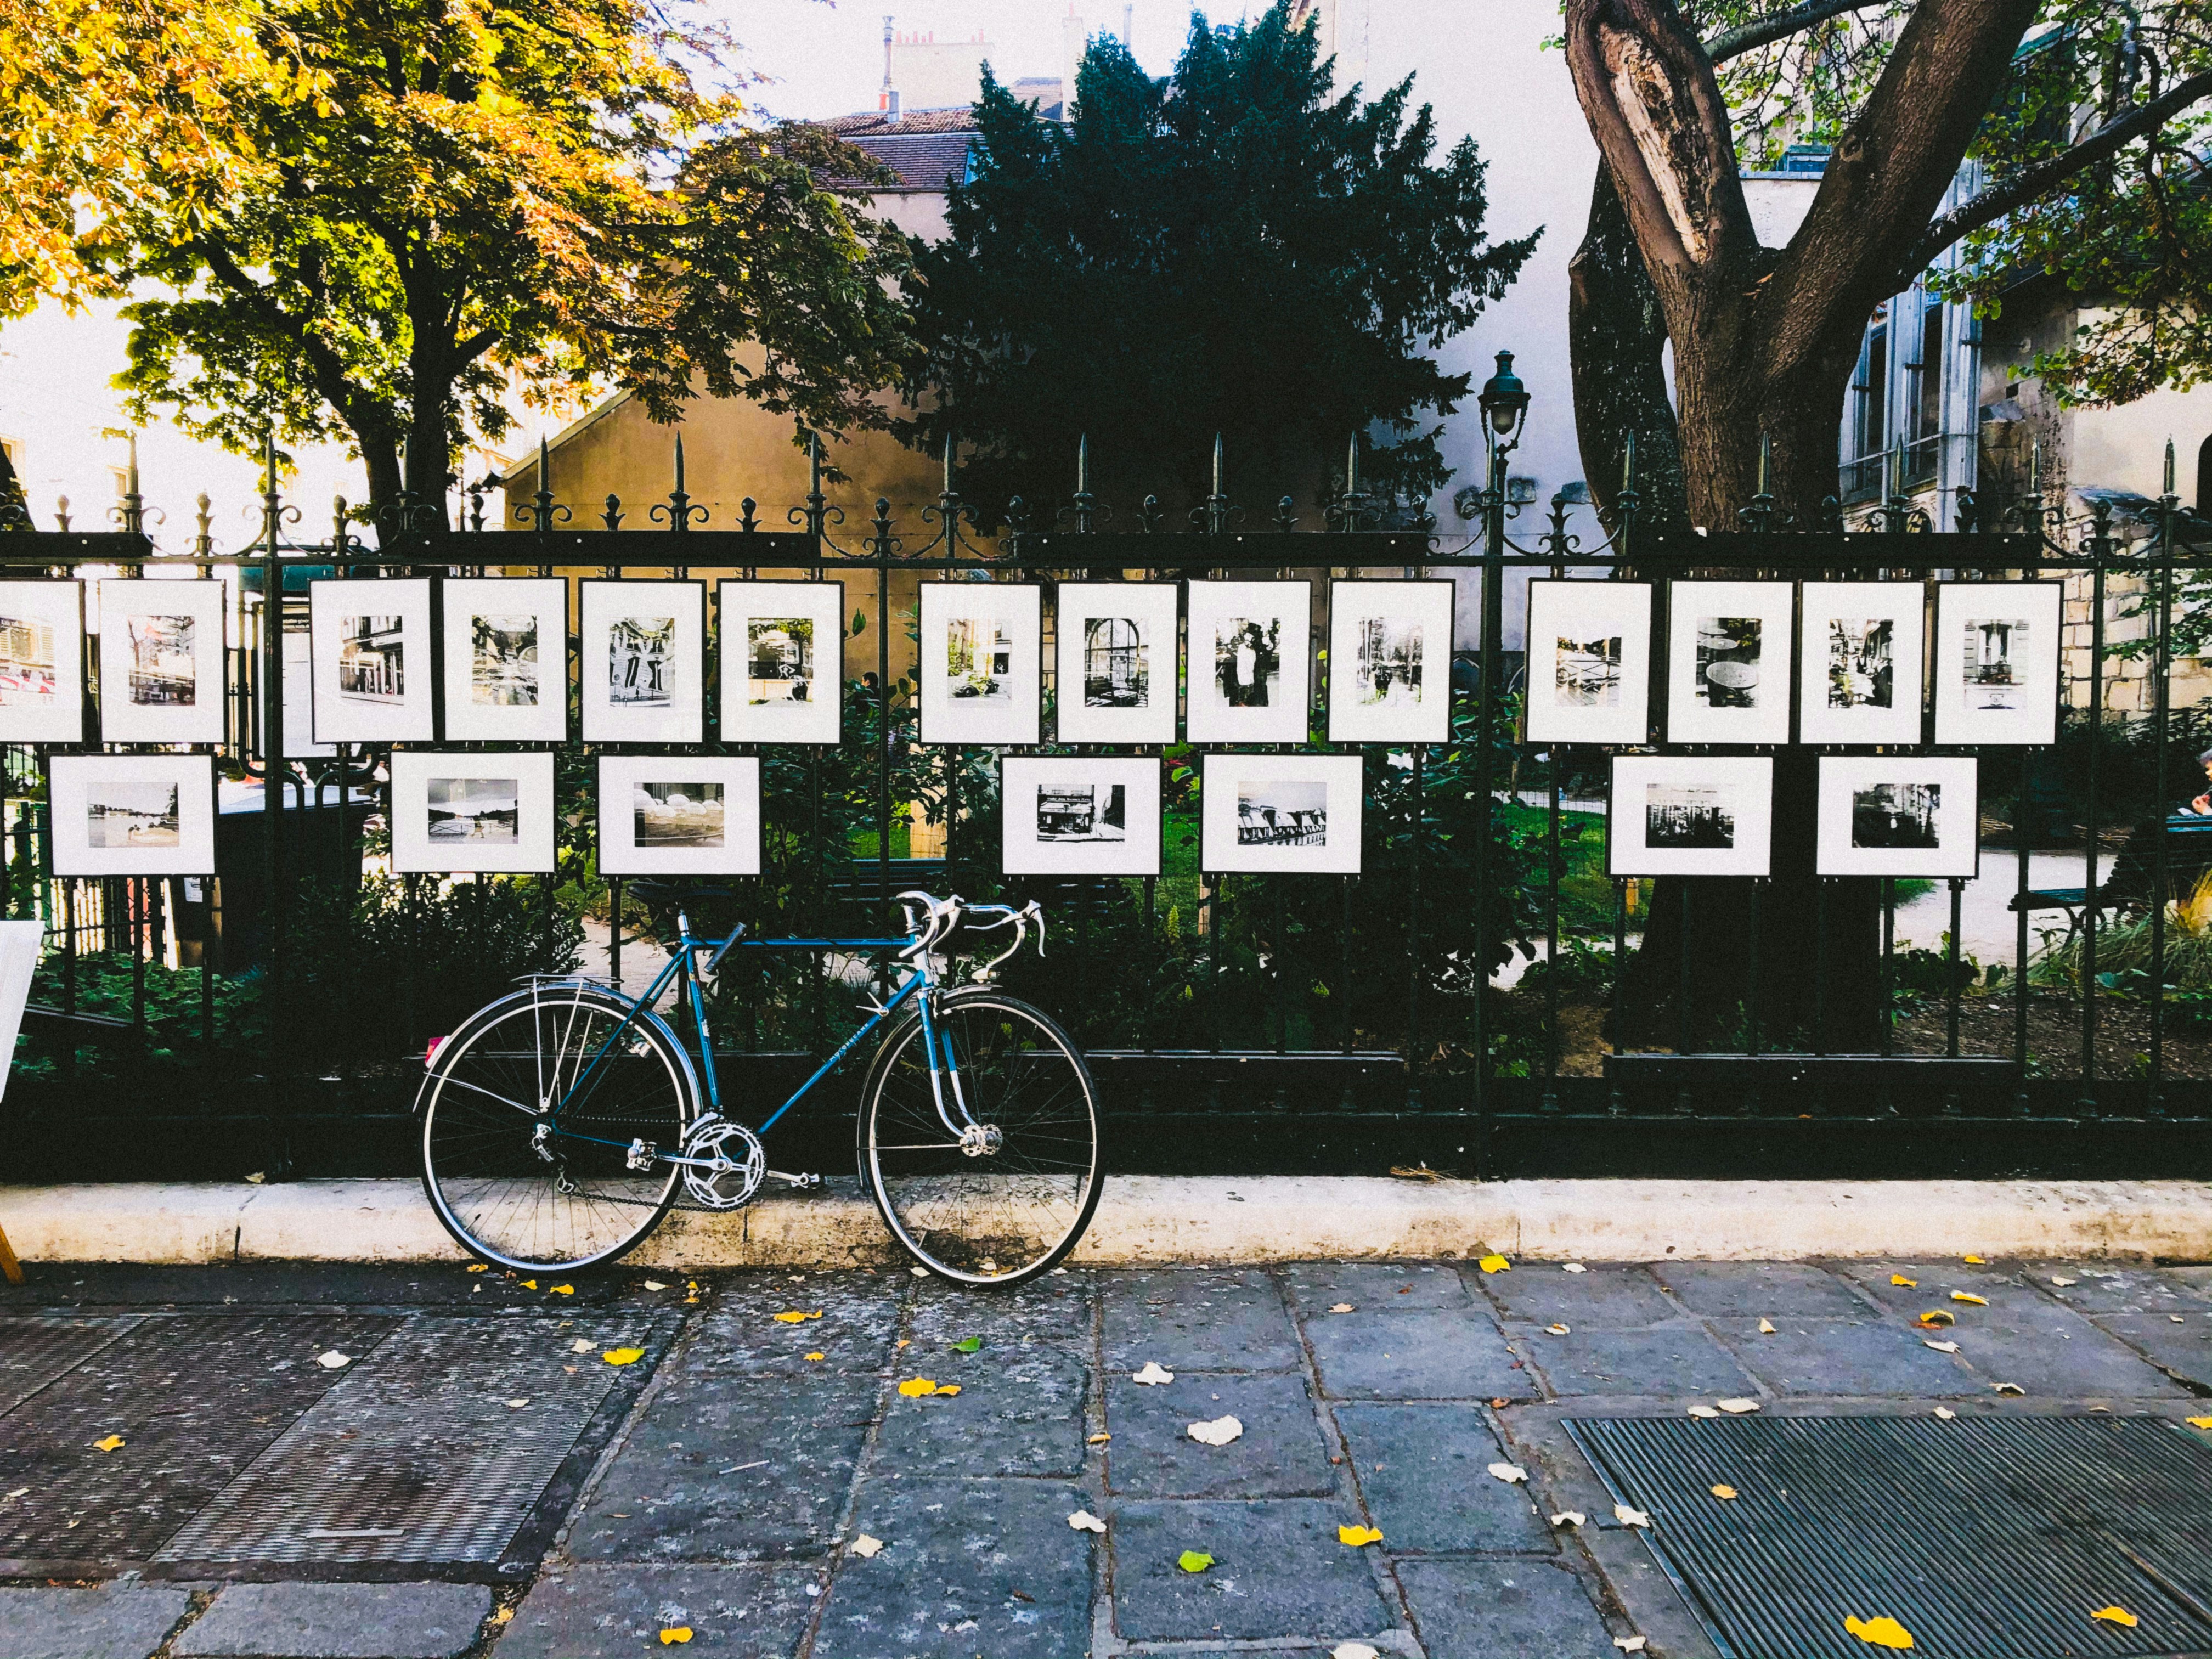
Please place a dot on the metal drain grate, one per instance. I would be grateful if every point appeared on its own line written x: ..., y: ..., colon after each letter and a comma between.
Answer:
x: 34, y: 1351
x: 1985, y: 1538
x: 418, y: 1457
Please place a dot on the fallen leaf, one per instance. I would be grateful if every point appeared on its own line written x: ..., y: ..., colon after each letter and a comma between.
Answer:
x: 1940, y: 1347
x: 919, y: 1273
x: 1882, y: 1632
x: 915, y: 1387
x: 478, y: 1267
x: 1500, y: 1404
x: 2117, y: 1615
x: 1352, y: 1650
x: 1194, y: 1561
x: 532, y: 1284
x: 502, y: 1616
x: 814, y: 1356
x: 1574, y: 1267
x: 1629, y: 1517
x: 564, y: 1290
x: 1939, y: 1317
x: 113, y: 1442
x: 1945, y: 1413
x: 1357, y: 1536
x: 1558, y: 1330
x: 333, y: 1360
x: 1702, y: 1410
x: 1737, y: 1407
x: 1569, y: 1518
x: 793, y: 1316
x: 674, y: 1634
x: 257, y: 1178
x: 654, y: 1285
x: 1509, y: 1473
x: 2061, y: 1281
x: 946, y: 1390
x: 1973, y: 1262
x: 623, y: 1356
x: 1766, y: 1327
x: 1494, y: 1264
x: 866, y: 1547
x: 968, y: 1345
x: 1100, y: 1439
x: 1084, y: 1521
x: 1153, y: 1376
x: 1414, y: 1172
x: 1218, y: 1432
x: 2007, y: 1387
x: 1967, y: 1296
x: 906, y: 1342
x: 1909, y: 1284
x: 1635, y: 1644
x: 1723, y: 1493
x: 517, y: 1405
x: 2198, y: 1422
x: 1340, y: 1307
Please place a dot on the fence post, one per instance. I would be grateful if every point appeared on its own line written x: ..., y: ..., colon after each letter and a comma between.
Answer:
x: 272, y: 716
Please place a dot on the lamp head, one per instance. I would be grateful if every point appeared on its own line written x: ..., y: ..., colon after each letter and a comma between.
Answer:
x: 1503, y: 399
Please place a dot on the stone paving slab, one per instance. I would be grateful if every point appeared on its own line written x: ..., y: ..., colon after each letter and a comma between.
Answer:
x: 1847, y: 1357
x: 618, y: 1611
x: 1526, y: 1609
x: 741, y: 1335
x: 1194, y: 1320
x: 1600, y: 1296
x: 1281, y: 1453
x: 1279, y: 1572
x: 1378, y: 1286
x: 1613, y: 1362
x: 2183, y: 1348
x: 2097, y: 1289
x: 338, y: 1621
x: 1018, y: 1412
x: 1423, y: 1472
x: 115, y: 1621
x: 1447, y: 1354
x: 1761, y: 1290
x: 2052, y: 1350
x: 1053, y: 1311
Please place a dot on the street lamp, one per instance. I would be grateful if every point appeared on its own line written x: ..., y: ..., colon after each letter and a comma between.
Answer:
x: 1505, y: 400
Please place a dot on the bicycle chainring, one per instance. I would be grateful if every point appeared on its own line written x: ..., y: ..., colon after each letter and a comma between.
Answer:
x: 738, y: 1163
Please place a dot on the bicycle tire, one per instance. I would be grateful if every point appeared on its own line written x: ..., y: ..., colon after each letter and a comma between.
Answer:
x: 500, y: 1199
x: 932, y: 1194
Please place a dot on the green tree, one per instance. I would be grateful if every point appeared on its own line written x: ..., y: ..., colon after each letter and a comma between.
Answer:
x: 1233, y: 249
x: 483, y: 199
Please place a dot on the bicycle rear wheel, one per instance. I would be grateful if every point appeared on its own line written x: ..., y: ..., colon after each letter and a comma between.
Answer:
x: 1012, y: 1199
x: 520, y: 1188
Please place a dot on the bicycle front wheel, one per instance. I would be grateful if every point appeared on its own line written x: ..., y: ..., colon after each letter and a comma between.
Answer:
x: 521, y: 1186
x: 1005, y: 1193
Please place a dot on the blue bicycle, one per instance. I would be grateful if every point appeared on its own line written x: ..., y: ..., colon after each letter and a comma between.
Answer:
x: 562, y: 1122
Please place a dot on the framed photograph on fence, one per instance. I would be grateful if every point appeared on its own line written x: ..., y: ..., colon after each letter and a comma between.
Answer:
x: 1996, y: 662
x: 783, y: 660
x: 644, y: 660
x: 1899, y: 815
x: 1068, y: 817
x: 1117, y: 660
x: 1390, y: 661
x: 1862, y: 645
x: 160, y: 661
x: 506, y: 658
x: 1690, y: 815
x: 982, y: 648
x: 679, y: 815
x: 1728, y: 661
x: 41, y: 662
x: 369, y: 651
x: 132, y: 815
x: 1589, y: 662
x: 1280, y: 814
x: 1250, y: 651
x: 454, y: 813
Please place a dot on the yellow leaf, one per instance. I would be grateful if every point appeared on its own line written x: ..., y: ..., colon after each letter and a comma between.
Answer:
x: 2117, y: 1615
x: 1766, y: 1327
x: 1724, y: 1491
x: 113, y: 1442
x: 1099, y: 1439
x: 914, y: 1387
x: 529, y: 1284
x: 1882, y: 1632
x: 502, y: 1616
x: 674, y: 1634
x: 1494, y: 1264
x: 623, y: 1356
x: 814, y: 1356
x: 1974, y: 1261
x: 2198, y: 1422
x: 1909, y: 1284
x: 1355, y: 1536
x: 564, y: 1290
x: 794, y: 1317
x: 1939, y: 1317
x: 478, y: 1267
x: 948, y: 1389
x: 1962, y: 1296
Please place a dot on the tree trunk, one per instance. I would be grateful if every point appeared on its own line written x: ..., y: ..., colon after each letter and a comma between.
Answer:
x: 1615, y: 338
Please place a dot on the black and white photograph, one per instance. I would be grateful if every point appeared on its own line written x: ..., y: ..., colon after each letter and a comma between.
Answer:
x: 1390, y: 661
x: 506, y: 658
x: 642, y: 661
x: 160, y: 661
x: 1067, y: 817
x: 679, y: 815
x: 1589, y: 662
x: 488, y: 812
x: 1690, y: 815
x: 1862, y: 645
x: 1899, y: 815
x: 1115, y: 662
x: 783, y: 660
x: 1996, y: 662
x: 981, y: 662
x: 132, y: 815
x: 1728, y: 657
x: 1280, y: 813
x: 1250, y: 662
x: 41, y: 661
x: 369, y: 647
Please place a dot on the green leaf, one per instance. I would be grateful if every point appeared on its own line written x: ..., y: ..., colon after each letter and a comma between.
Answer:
x: 968, y: 1345
x: 859, y: 622
x: 1194, y: 1561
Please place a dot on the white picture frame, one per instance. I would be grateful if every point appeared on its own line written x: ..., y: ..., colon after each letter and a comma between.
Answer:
x: 1250, y: 656
x: 42, y: 661
x: 132, y: 815
x: 1899, y: 815
x: 506, y: 659
x: 1280, y: 814
x: 161, y: 675
x: 1116, y: 653
x: 1728, y: 649
x: 1069, y: 815
x: 1690, y: 815
x: 783, y: 660
x: 982, y: 663
x: 369, y: 661
x: 679, y: 815
x: 2003, y: 688
x: 1390, y: 660
x: 1864, y: 650
x: 1589, y: 662
x: 481, y: 811
x: 643, y: 657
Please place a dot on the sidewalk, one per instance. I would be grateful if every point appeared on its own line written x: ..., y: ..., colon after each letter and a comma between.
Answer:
x: 476, y: 1477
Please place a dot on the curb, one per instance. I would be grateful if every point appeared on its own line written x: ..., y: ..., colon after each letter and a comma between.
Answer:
x: 1164, y: 1218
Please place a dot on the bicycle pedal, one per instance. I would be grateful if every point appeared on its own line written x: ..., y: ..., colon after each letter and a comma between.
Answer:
x: 805, y: 1183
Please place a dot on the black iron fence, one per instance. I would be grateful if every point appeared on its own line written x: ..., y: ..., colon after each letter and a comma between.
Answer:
x: 1483, y: 997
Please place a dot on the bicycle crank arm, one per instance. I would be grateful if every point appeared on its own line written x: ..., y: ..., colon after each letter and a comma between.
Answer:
x: 805, y: 1183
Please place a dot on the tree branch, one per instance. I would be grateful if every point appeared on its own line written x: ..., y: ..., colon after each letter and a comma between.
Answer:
x: 1764, y: 31
x: 2030, y: 182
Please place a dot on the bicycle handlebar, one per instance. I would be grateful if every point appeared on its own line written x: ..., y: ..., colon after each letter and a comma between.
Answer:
x: 939, y: 918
